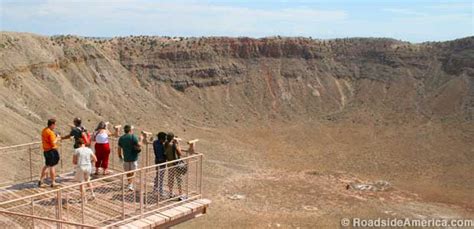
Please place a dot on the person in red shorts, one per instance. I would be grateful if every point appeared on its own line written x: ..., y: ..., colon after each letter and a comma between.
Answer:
x: 102, y: 147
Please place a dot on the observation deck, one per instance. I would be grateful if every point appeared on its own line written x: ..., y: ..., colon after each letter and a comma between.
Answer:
x: 24, y: 205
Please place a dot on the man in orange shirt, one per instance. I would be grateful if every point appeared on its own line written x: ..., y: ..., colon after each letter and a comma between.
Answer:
x: 51, y: 154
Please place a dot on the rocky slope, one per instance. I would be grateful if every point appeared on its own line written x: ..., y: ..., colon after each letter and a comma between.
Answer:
x: 216, y: 81
x: 287, y: 122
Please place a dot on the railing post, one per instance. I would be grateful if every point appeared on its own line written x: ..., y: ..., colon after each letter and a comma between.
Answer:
x: 112, y: 151
x: 31, y: 163
x: 59, y: 207
x: 123, y: 196
x: 145, y: 201
x: 67, y: 206
x: 200, y: 176
x: 83, y: 199
x: 60, y: 149
x: 159, y: 181
x: 142, y: 187
x: 187, y: 177
x: 120, y: 162
x: 32, y: 212
x: 147, y: 163
x: 196, y: 174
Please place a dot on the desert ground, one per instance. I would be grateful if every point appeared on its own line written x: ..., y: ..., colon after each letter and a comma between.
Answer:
x: 290, y: 127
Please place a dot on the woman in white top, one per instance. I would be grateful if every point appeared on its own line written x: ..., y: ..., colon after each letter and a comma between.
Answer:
x: 102, y: 147
x: 83, y: 158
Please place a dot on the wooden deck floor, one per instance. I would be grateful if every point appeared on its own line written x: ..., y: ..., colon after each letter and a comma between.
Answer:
x: 170, y: 217
x: 110, y: 205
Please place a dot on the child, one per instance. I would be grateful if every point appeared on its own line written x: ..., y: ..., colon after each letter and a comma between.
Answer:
x: 83, y: 158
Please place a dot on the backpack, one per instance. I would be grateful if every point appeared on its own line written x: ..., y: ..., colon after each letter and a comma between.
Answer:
x: 86, y: 137
x: 181, y: 166
x: 137, y: 148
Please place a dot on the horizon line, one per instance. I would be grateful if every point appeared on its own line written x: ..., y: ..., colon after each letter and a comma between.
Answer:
x: 242, y: 36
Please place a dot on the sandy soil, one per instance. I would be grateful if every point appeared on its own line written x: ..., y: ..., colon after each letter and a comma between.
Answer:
x: 295, y: 176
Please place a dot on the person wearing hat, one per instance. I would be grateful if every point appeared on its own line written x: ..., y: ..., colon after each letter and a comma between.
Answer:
x: 129, y: 150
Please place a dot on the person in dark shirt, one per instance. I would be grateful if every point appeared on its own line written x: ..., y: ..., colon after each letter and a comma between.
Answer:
x: 160, y: 157
x: 129, y: 144
x: 173, y: 153
x: 76, y: 131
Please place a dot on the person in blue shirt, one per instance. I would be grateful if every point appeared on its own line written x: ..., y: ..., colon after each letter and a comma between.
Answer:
x: 160, y: 157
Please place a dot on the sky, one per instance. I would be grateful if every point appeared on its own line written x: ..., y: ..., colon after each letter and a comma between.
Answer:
x: 408, y: 20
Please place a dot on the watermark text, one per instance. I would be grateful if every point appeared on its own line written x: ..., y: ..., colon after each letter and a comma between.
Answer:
x: 406, y: 222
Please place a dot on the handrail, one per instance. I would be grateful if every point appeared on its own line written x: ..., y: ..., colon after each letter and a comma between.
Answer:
x: 28, y: 144
x: 14, y: 146
x: 47, y: 219
x: 99, y: 179
x: 170, y: 162
x: 148, y: 172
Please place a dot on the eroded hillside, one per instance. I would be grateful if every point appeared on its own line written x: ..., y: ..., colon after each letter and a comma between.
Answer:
x: 224, y: 81
x: 286, y: 122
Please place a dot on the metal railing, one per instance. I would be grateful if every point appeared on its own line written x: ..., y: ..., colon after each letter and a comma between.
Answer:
x: 155, y: 188
x: 27, y: 160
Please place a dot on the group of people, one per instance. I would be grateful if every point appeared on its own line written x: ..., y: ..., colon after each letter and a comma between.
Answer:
x: 83, y: 156
x: 166, y: 148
